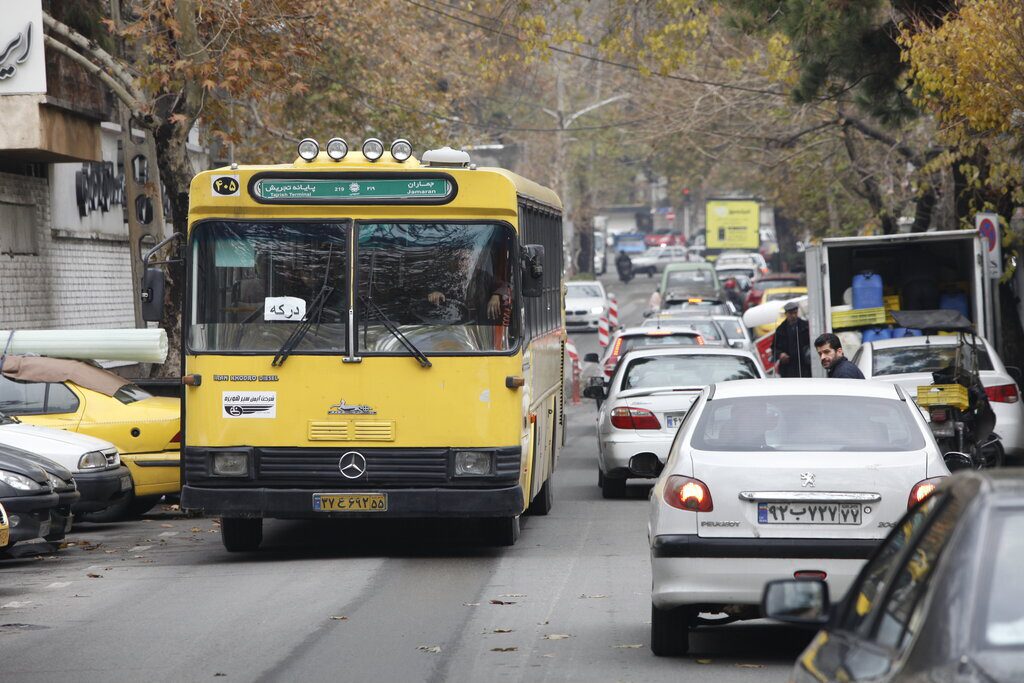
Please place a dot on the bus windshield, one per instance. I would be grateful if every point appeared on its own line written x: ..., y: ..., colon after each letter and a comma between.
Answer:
x: 446, y: 286
x: 253, y: 282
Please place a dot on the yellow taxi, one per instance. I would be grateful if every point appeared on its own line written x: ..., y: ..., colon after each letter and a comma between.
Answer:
x: 777, y: 294
x: 5, y: 529
x: 80, y: 397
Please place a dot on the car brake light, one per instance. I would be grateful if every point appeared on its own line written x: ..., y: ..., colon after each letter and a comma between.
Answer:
x: 939, y: 414
x: 634, y: 418
x: 1006, y: 393
x: 689, y: 494
x: 922, y: 490
x: 810, y: 574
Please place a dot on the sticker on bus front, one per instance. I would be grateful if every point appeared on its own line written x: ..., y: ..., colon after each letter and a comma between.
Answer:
x: 225, y: 185
x: 250, y: 404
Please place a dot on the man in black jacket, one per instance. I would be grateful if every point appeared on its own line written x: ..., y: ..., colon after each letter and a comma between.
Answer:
x: 830, y: 351
x: 791, y: 344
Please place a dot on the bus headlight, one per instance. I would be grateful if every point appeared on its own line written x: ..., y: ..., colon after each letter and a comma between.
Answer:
x: 474, y: 463
x: 337, y: 149
x: 309, y: 149
x: 373, y: 149
x: 401, y: 149
x: 230, y: 464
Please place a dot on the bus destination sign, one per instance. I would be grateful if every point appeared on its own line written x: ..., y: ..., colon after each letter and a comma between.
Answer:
x: 345, y: 190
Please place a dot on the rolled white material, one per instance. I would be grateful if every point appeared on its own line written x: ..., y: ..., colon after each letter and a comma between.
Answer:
x: 143, y: 346
x: 769, y: 312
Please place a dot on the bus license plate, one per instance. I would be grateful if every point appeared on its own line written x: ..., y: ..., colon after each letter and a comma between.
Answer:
x: 809, y: 513
x: 350, y: 502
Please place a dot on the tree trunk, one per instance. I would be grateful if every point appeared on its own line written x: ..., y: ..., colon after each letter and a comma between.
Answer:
x: 871, y: 190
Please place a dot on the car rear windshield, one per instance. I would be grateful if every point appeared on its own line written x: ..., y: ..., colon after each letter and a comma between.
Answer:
x: 780, y: 282
x: 900, y: 360
x: 807, y: 423
x: 1003, y: 617
x: 577, y: 290
x: 635, y: 341
x: 733, y: 329
x: 702, y: 276
x: 691, y: 370
x: 706, y: 328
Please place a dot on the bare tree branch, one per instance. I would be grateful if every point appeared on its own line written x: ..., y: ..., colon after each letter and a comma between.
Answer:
x: 91, y: 49
x: 115, y: 85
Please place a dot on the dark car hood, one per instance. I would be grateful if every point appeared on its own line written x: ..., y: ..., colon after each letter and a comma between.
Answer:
x: 54, y: 468
x: 15, y: 460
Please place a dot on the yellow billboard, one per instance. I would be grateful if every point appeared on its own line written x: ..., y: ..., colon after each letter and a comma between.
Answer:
x: 732, y: 224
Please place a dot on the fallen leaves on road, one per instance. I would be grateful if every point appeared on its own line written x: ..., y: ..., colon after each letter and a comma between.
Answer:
x: 504, y: 649
x: 94, y: 576
x: 196, y: 530
x: 513, y: 595
x: 750, y: 666
x: 593, y: 597
x: 502, y: 630
x: 167, y: 526
x: 630, y: 646
x: 557, y: 636
x: 502, y: 602
x: 471, y: 604
x: 432, y: 649
x: 703, y: 661
x: 339, y: 618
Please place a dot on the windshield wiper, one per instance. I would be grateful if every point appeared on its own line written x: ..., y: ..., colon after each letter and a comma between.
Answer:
x: 395, y: 332
x: 312, y: 314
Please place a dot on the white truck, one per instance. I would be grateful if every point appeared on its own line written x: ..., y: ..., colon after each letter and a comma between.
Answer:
x: 918, y: 266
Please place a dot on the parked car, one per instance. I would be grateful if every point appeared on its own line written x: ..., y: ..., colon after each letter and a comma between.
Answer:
x: 585, y: 304
x: 102, y: 480
x: 693, y: 279
x: 768, y: 281
x: 655, y: 259
x: 910, y: 362
x: 83, y: 398
x: 789, y: 477
x: 646, y: 400
x: 941, y: 600
x: 63, y: 484
x: 629, y: 338
x: 27, y: 495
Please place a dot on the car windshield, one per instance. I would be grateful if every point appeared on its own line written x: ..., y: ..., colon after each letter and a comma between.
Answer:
x: 807, y: 423
x: 446, y: 286
x: 1003, y: 614
x: 707, y: 329
x: 900, y: 360
x: 699, y: 276
x: 581, y: 290
x: 635, y: 341
x: 252, y: 283
x: 130, y: 393
x: 691, y: 370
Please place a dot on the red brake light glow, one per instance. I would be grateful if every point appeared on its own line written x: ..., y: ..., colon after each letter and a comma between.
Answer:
x: 1006, y: 393
x: 688, y: 494
x: 939, y: 414
x: 634, y: 418
x: 922, y: 490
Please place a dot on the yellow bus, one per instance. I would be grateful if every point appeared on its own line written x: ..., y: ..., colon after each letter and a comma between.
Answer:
x: 370, y: 335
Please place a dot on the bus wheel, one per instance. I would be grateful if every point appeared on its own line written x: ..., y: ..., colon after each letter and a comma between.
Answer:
x: 503, y: 531
x: 541, y: 504
x: 241, y: 534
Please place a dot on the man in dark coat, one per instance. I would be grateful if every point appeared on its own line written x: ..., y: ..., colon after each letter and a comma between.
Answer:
x: 830, y: 351
x: 792, y: 343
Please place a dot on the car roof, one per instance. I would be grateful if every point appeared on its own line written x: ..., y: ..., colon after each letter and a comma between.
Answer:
x: 653, y: 331
x: 816, y: 386
x: 689, y: 265
x: 930, y: 340
x: 645, y: 351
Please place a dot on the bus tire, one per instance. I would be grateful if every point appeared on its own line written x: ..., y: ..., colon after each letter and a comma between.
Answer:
x: 241, y: 534
x: 613, y: 488
x: 541, y: 504
x: 670, y: 631
x: 503, y: 531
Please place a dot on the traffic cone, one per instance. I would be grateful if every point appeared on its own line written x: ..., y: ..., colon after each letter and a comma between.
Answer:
x: 613, y: 311
x: 602, y: 332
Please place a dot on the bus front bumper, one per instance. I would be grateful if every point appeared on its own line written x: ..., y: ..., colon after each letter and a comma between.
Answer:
x: 282, y: 503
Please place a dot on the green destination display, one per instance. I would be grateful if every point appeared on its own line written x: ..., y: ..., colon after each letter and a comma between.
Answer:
x: 323, y: 189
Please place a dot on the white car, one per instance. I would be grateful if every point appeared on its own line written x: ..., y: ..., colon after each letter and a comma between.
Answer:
x: 94, y: 463
x: 585, y: 304
x: 648, y: 396
x: 910, y: 361
x: 775, y: 479
x: 728, y: 260
x: 655, y: 259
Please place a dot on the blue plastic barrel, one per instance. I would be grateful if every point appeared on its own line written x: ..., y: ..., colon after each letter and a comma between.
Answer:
x: 867, y: 290
x: 875, y: 333
x: 956, y: 301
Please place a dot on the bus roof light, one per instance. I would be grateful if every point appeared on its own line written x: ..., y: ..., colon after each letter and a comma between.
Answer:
x: 446, y: 157
x: 337, y: 148
x: 373, y: 149
x: 309, y: 149
x: 401, y: 149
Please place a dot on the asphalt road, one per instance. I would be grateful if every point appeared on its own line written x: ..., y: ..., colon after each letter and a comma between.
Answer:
x: 160, y: 600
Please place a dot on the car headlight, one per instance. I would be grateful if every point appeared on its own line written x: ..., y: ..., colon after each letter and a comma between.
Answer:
x: 473, y: 463
x: 92, y: 460
x: 597, y: 309
x: 19, y: 482
x: 56, y: 482
x: 230, y: 464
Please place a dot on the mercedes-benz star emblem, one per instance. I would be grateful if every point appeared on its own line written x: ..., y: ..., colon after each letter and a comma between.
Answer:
x: 807, y: 479
x: 352, y: 465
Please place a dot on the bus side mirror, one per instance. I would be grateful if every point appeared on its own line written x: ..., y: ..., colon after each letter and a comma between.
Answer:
x: 532, y: 270
x: 152, y: 294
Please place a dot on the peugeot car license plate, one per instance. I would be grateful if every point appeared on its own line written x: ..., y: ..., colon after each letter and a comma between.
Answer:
x: 809, y: 513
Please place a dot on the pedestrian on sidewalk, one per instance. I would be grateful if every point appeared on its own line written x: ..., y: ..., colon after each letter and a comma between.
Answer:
x: 830, y: 351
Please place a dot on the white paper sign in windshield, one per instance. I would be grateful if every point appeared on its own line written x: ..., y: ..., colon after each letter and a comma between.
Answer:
x: 284, y: 308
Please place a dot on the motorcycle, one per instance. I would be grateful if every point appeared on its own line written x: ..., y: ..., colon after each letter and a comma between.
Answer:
x: 960, y: 415
x: 625, y: 269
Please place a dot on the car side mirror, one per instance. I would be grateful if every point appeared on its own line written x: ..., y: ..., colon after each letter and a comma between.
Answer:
x: 152, y: 294
x: 532, y: 270
x: 796, y: 601
x: 955, y: 460
x: 591, y: 358
x: 595, y: 391
x: 649, y: 312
